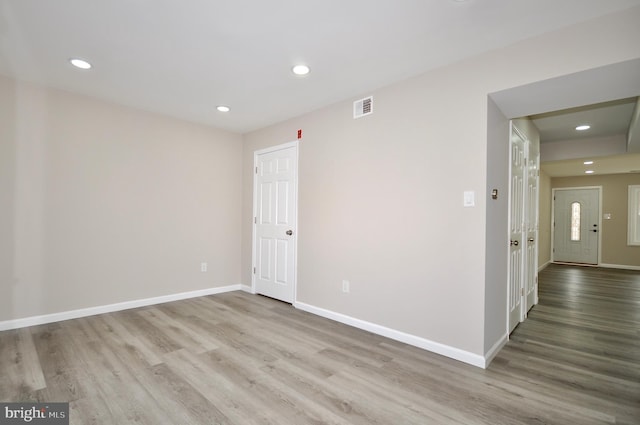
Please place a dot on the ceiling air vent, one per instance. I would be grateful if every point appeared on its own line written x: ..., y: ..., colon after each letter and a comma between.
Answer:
x: 363, y: 107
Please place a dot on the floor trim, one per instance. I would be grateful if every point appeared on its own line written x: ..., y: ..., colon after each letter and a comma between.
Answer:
x: 493, y: 351
x: 544, y: 266
x: 619, y: 266
x: 566, y: 263
x: 602, y: 265
x: 91, y: 311
x: 416, y: 341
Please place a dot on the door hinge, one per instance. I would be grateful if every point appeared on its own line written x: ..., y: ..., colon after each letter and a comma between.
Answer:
x: 255, y: 220
x: 254, y: 270
x: 256, y: 170
x: 522, y: 292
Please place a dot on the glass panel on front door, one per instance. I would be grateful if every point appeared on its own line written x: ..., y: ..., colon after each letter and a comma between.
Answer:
x: 575, y: 221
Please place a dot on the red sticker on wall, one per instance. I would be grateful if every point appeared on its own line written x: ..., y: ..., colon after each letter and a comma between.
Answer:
x: 299, y: 134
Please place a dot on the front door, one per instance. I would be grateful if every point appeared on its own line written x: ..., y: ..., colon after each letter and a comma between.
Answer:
x: 576, y: 230
x: 275, y: 209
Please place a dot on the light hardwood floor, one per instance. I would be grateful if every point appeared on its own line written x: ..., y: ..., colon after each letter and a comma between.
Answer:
x: 237, y: 358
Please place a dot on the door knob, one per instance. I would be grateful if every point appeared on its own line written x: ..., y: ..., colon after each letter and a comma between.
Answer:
x: 514, y: 243
x: 530, y: 239
x: 289, y: 232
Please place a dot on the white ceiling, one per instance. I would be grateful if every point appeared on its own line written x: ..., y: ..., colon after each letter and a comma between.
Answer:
x: 558, y: 104
x: 182, y: 58
x: 615, y: 164
x: 606, y: 119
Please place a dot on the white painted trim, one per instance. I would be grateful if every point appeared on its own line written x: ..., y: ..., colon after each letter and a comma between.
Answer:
x: 493, y: 351
x: 416, y: 341
x: 544, y: 266
x: 565, y: 263
x: 247, y: 288
x: 603, y: 265
x: 619, y: 266
x: 512, y: 128
x: 276, y: 148
x: 110, y: 308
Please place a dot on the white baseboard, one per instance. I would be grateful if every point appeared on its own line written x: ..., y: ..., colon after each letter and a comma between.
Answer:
x: 435, y: 347
x: 91, y: 311
x: 493, y: 351
x: 564, y: 263
x: 619, y: 266
x: 544, y: 266
x: 246, y: 288
x: 603, y: 265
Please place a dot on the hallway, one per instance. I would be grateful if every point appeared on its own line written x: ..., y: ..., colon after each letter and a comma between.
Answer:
x: 582, y: 341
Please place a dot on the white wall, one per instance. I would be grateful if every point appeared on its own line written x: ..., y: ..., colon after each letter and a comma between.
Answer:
x: 103, y: 204
x: 381, y: 197
x: 544, y: 230
x: 497, y: 250
x: 583, y: 148
x: 7, y: 195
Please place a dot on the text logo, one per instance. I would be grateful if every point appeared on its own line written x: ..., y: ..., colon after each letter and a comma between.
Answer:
x: 34, y: 413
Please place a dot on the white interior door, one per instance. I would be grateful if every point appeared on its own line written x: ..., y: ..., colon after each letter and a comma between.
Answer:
x: 576, y: 214
x: 516, y: 227
x: 531, y: 209
x: 275, y: 207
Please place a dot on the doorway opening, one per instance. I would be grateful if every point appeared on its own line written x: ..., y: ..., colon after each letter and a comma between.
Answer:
x: 597, y: 85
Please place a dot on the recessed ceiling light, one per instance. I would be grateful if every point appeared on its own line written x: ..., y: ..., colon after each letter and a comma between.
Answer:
x: 223, y: 108
x: 300, y: 69
x: 583, y: 127
x: 589, y: 172
x: 79, y: 63
x: 588, y: 162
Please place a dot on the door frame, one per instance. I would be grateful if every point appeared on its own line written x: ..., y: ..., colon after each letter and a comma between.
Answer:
x: 553, y: 227
x: 295, y: 144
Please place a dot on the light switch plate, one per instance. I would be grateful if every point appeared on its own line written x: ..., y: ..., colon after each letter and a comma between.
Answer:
x: 469, y: 198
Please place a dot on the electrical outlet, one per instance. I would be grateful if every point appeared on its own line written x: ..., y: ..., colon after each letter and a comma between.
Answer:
x: 203, y: 267
x: 345, y: 286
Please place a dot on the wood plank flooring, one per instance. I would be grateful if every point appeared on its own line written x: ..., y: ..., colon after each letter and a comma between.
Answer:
x: 238, y: 358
